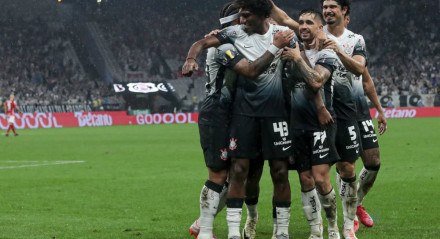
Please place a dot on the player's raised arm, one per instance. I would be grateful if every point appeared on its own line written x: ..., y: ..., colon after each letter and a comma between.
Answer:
x: 195, y: 50
x: 281, y: 17
x: 371, y: 93
x: 254, y: 69
x: 355, y: 64
x: 315, y: 77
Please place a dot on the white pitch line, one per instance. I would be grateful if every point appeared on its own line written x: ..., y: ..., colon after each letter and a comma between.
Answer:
x: 43, y: 164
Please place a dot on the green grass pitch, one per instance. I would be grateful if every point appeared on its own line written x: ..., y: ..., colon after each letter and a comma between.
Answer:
x: 144, y: 182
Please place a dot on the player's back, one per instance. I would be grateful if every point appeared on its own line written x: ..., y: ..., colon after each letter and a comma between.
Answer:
x: 212, y: 110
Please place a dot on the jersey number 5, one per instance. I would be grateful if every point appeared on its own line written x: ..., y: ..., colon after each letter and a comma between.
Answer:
x: 352, y: 133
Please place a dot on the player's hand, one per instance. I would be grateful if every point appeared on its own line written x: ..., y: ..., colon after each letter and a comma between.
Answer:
x: 382, y: 123
x: 291, y: 54
x: 320, y: 38
x: 283, y: 38
x: 213, y: 33
x: 324, y: 117
x: 332, y: 45
x: 189, y: 67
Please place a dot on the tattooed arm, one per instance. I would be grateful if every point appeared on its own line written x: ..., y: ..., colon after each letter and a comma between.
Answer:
x: 315, y: 77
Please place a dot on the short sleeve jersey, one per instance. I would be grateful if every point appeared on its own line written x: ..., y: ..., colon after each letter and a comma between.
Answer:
x: 11, y: 105
x: 261, y: 97
x: 347, y: 91
x: 219, y: 62
x: 303, y: 112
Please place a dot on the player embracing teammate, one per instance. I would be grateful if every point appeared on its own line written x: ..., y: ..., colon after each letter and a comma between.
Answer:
x: 351, y: 49
x: 327, y: 107
x: 258, y: 118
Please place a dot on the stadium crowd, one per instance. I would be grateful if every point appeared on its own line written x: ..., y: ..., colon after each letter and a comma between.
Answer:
x: 414, y: 68
x: 406, y: 52
x: 37, y: 64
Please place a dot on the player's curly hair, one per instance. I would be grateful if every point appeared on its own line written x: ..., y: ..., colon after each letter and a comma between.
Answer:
x: 342, y: 3
x: 257, y: 7
x: 229, y: 9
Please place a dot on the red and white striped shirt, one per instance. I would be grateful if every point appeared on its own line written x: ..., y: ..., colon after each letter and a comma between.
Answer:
x: 10, y: 105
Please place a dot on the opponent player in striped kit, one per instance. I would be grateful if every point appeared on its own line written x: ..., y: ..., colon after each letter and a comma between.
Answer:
x: 10, y: 106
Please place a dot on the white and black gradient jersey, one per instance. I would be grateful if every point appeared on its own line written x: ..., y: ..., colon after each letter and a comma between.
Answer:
x: 304, y: 114
x: 348, y: 90
x: 262, y: 97
x: 363, y: 109
x: 219, y: 64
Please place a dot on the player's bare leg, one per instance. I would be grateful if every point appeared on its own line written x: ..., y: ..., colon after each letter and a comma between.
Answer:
x: 282, y: 200
x: 327, y: 197
x: 367, y: 177
x: 7, y: 131
x: 348, y: 193
x: 11, y: 127
x: 252, y: 195
x: 236, y: 193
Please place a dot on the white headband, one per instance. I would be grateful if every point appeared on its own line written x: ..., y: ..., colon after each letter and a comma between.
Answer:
x: 229, y: 19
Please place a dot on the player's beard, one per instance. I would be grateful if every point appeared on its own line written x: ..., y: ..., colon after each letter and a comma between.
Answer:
x: 331, y: 22
x: 306, y: 36
x: 330, y: 19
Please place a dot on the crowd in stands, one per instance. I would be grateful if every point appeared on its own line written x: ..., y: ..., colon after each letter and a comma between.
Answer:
x: 406, y: 52
x: 38, y: 66
x: 403, y: 46
x: 36, y: 55
x: 148, y: 42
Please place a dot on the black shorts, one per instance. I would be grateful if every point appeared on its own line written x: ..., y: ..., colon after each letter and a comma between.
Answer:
x: 312, y: 148
x: 348, y: 143
x: 214, y: 141
x: 368, y: 134
x: 252, y: 136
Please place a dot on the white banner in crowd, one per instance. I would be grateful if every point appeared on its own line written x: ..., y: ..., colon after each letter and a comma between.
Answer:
x: 408, y: 100
x: 143, y: 87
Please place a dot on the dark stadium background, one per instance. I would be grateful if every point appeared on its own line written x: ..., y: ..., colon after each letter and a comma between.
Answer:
x: 67, y: 52
x: 77, y: 180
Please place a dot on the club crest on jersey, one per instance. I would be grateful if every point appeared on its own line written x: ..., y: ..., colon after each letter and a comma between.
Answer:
x: 224, y: 154
x: 232, y: 144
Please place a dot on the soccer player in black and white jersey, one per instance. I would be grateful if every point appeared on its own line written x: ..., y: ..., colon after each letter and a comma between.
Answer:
x: 370, y: 153
x: 351, y: 50
x: 213, y: 130
x: 314, y: 158
x: 314, y: 148
x: 258, y: 124
x: 228, y: 56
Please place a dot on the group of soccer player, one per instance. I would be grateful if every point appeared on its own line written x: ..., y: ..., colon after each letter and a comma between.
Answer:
x: 292, y: 93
